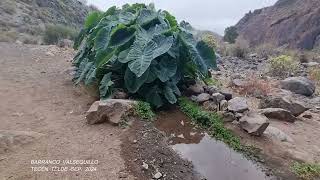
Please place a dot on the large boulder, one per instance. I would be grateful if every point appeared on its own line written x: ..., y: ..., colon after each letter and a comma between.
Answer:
x: 9, y: 140
x: 295, y: 107
x: 254, y: 123
x: 110, y: 110
x: 238, y: 105
x: 278, y: 113
x: 299, y: 85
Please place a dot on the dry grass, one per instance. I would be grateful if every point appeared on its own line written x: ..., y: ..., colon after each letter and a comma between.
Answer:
x: 255, y: 87
x: 283, y: 66
x: 8, y: 36
x: 8, y: 6
x: 240, y: 49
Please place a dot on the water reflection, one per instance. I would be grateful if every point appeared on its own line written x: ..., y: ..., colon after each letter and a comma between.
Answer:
x: 212, y: 159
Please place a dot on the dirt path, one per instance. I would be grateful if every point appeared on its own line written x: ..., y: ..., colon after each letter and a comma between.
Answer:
x: 36, y: 95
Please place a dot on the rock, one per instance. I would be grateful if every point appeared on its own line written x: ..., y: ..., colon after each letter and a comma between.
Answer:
x: 119, y: 95
x: 299, y: 85
x: 277, y: 134
x: 211, y: 89
x: 227, y: 94
x: 158, y: 175
x: 223, y: 106
x: 307, y: 116
x: 195, y: 89
x: 228, y: 116
x: 238, y: 83
x: 145, y: 166
x: 310, y: 64
x: 238, y: 115
x: 278, y: 113
x: 48, y: 53
x: 112, y: 110
x: 203, y: 97
x: 9, y: 140
x: 295, y: 107
x: 254, y: 123
x: 238, y: 105
x: 217, y: 98
x: 210, y: 106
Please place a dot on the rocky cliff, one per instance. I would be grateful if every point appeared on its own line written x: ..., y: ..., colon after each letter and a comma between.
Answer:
x: 29, y: 17
x: 295, y: 23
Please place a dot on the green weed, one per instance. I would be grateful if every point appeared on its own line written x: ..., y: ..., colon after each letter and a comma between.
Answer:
x: 306, y: 171
x: 144, y: 110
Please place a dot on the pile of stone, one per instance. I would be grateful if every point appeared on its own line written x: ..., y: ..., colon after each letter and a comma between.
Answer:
x: 236, y: 109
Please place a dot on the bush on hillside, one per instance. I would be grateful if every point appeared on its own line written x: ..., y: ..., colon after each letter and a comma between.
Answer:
x: 54, y: 33
x: 141, y: 50
x: 239, y: 49
x: 230, y: 34
x: 283, y: 65
x: 266, y: 50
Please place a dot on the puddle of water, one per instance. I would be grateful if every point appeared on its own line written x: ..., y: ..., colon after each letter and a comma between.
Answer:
x: 211, y: 158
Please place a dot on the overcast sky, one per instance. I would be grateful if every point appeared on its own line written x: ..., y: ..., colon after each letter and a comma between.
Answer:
x: 214, y: 15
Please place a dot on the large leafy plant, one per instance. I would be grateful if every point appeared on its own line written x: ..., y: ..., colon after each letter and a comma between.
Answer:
x: 141, y: 50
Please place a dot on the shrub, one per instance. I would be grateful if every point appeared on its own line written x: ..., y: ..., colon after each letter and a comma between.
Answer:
x: 239, y: 49
x: 283, y: 66
x: 8, y: 36
x: 230, y: 34
x: 141, y: 50
x: 256, y: 87
x: 314, y: 73
x: 306, y: 171
x: 144, y: 110
x: 54, y: 33
x: 210, y: 40
x: 266, y: 50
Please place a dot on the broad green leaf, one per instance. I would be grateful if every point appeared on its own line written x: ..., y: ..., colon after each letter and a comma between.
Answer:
x: 146, y: 15
x: 102, y: 57
x: 190, y: 46
x: 91, y: 76
x: 84, y: 70
x: 207, y: 53
x: 79, y: 39
x: 132, y: 82
x: 140, y: 57
x: 153, y: 96
x: 121, y: 34
x: 174, y: 87
x: 165, y: 69
x: 105, y: 86
x: 168, y: 93
x: 102, y: 39
x: 122, y: 57
x: 163, y: 45
x: 127, y: 17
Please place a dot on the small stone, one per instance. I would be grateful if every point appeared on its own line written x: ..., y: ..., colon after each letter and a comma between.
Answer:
x: 195, y: 89
x: 211, y: 89
x: 217, y: 97
x: 135, y: 141
x: 210, y: 106
x: 223, y: 105
x: 238, y: 83
x: 228, y: 116
x: 158, y: 175
x: 308, y: 116
x: 203, y: 97
x: 227, y: 94
x: 145, y: 166
x: 238, y: 105
x: 277, y: 134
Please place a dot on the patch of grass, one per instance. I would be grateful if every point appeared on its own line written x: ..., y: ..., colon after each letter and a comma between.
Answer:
x: 214, y: 123
x: 306, y: 171
x: 144, y: 110
x: 212, y: 81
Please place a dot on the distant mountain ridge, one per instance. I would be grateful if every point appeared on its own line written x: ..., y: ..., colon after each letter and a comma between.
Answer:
x: 292, y: 23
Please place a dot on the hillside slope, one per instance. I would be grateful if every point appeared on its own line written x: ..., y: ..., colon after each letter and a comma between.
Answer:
x: 295, y: 23
x: 20, y: 18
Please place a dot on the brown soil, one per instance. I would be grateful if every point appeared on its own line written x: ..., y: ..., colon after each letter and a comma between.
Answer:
x: 37, y: 95
x: 143, y: 143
